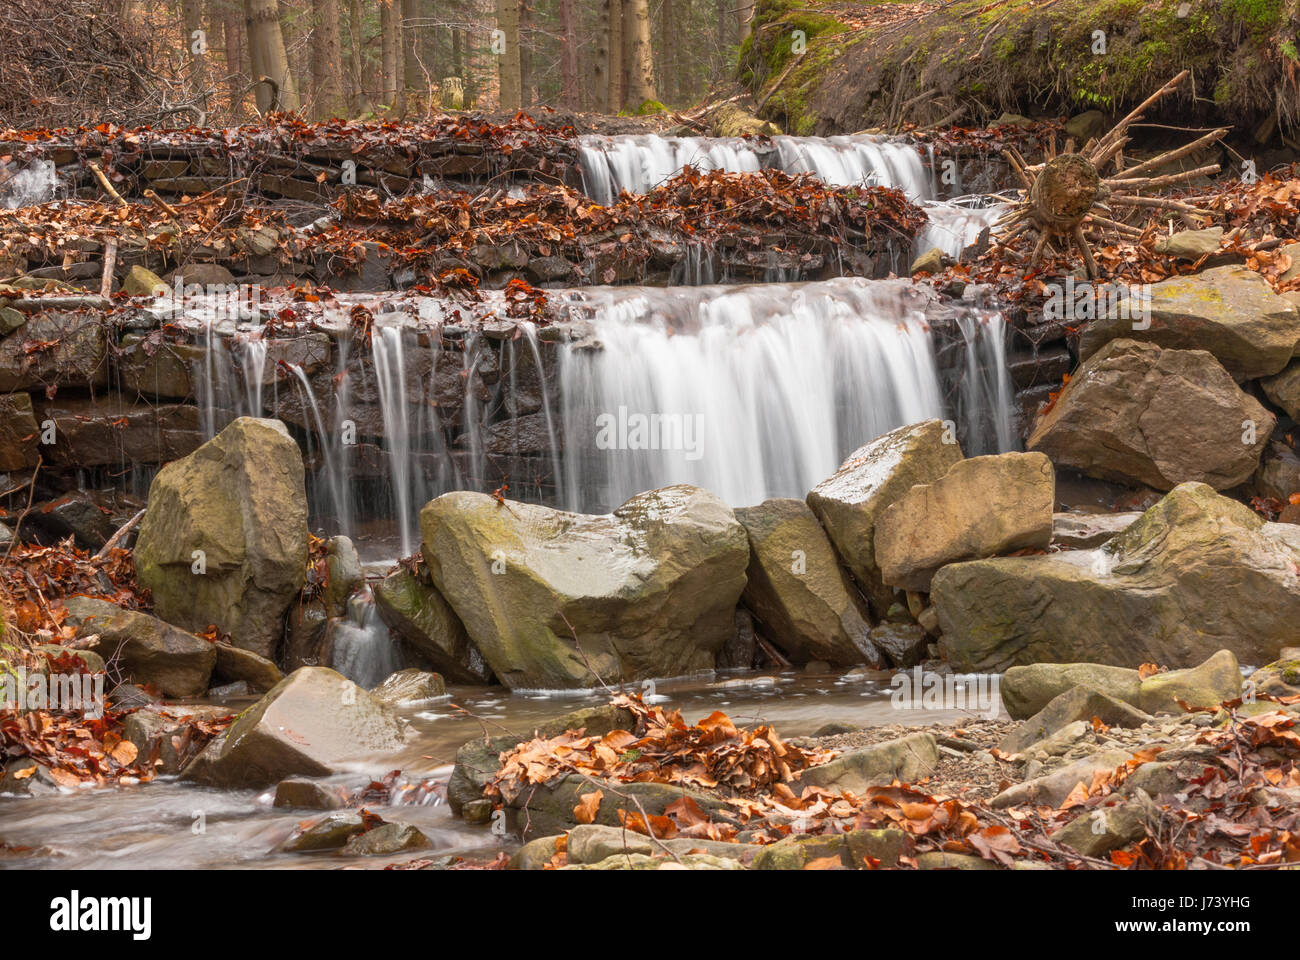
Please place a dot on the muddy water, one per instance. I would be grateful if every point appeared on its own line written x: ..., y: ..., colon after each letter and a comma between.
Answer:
x: 176, y: 825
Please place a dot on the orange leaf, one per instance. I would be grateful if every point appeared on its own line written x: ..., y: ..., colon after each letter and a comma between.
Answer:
x: 588, y: 806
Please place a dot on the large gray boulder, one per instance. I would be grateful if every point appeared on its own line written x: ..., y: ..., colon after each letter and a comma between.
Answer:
x: 1197, y: 574
x: 556, y: 599
x: 798, y: 590
x: 982, y: 507
x: 1136, y: 412
x: 412, y: 608
x: 1231, y: 312
x: 309, y: 725
x: 1284, y: 389
x: 850, y: 502
x: 144, y: 648
x: 240, y: 502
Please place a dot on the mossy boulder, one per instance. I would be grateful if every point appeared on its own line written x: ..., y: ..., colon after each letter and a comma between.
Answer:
x: 413, y: 609
x: 146, y: 649
x: 224, y: 538
x: 1196, y: 574
x: 554, y: 599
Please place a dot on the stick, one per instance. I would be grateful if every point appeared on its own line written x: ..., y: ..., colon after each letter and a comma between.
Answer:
x: 116, y: 538
x: 31, y: 495
x: 1173, y: 155
x: 103, y: 182
x: 163, y: 204
x: 110, y: 264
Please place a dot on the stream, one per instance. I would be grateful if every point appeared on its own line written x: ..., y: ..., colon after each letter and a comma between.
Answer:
x: 169, y: 824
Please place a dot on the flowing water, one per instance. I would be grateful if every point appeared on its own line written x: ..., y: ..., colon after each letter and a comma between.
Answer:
x: 168, y: 824
x: 751, y: 391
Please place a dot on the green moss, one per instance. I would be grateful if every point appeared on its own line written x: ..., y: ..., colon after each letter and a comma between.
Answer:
x: 649, y: 107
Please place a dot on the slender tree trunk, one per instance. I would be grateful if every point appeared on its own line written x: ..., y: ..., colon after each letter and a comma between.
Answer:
x: 412, y: 75
x: 362, y: 102
x: 267, y: 54
x: 235, y: 54
x: 192, y: 22
x: 640, y: 59
x: 389, y: 44
x: 327, y: 61
x: 526, y: 91
x: 744, y: 13
x: 613, y: 10
x: 508, y: 64
x: 569, y: 55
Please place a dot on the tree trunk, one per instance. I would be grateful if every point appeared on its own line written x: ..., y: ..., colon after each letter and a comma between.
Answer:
x: 508, y: 66
x: 389, y: 45
x: 235, y: 55
x: 412, y: 75
x: 569, y: 55
x: 640, y: 60
x: 327, y: 61
x: 613, y: 10
x: 744, y: 13
x: 269, y: 59
x: 525, y: 54
x: 192, y: 22
x: 361, y: 101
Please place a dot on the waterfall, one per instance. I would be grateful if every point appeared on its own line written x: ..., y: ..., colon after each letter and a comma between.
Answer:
x: 956, y: 224
x: 639, y: 163
x: 390, y: 376
x: 755, y: 391
x: 361, y: 647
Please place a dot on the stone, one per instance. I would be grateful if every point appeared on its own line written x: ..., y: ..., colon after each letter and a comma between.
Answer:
x: 204, y: 274
x: 19, y: 433
x: 343, y: 574
x: 981, y: 507
x: 74, y: 355
x: 162, y: 728
x: 1137, y: 412
x: 477, y: 760
x: 144, y: 647
x: 1084, y: 531
x: 308, y: 725
x: 1206, y: 685
x: 1196, y: 574
x: 594, y: 843
x: 555, y: 599
x: 1083, y: 127
x: 1078, y: 703
x: 143, y: 282
x: 409, y: 686
x: 1029, y: 689
x: 930, y: 262
x: 72, y: 515
x: 548, y: 808
x: 299, y: 793
x: 1284, y: 389
x: 852, y: 849
x: 235, y: 664
x: 535, y: 854
x: 939, y: 860
x: 1278, y: 475
x: 850, y: 502
x: 330, y: 832
x: 110, y: 431
x: 1190, y: 244
x: 415, y: 611
x: 240, y: 500
x: 1098, y: 831
x: 907, y: 759
x: 386, y: 839
x: 835, y: 728
x: 1230, y: 312
x: 797, y: 589
x: 92, y: 661
x: 1053, y: 788
x: 641, y: 861
x: 903, y: 643
x: 1281, y: 678
x: 738, y: 652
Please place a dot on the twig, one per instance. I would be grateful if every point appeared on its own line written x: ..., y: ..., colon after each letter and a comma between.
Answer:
x: 103, y: 182
x: 116, y: 538
x: 31, y: 494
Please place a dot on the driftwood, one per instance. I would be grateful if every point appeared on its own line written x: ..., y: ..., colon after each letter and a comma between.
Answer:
x: 1066, y: 196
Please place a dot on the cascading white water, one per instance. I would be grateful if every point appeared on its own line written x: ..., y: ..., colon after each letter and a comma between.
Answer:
x: 751, y: 392
x: 390, y: 375
x: 34, y: 184
x: 955, y: 225
x: 361, y: 647
x: 641, y: 162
